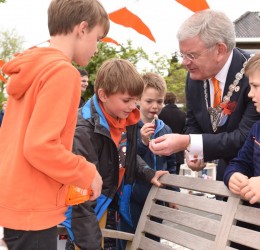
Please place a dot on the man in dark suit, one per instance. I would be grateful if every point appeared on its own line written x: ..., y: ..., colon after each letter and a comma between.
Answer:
x: 175, y: 119
x: 216, y: 129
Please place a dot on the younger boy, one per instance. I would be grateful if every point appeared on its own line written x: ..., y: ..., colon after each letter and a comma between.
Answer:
x: 106, y: 135
x: 37, y: 132
x: 242, y: 176
x: 149, y: 127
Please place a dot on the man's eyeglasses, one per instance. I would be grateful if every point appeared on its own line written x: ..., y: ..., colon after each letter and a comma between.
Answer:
x: 191, y: 56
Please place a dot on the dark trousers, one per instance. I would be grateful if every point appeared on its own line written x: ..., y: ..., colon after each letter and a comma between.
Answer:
x: 31, y: 240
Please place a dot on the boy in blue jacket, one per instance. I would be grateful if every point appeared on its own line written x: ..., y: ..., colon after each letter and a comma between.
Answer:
x: 149, y: 127
x: 242, y: 176
x: 105, y: 135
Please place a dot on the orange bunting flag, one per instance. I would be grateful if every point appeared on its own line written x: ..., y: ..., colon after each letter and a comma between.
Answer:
x: 194, y: 5
x: 128, y: 19
x: 109, y: 40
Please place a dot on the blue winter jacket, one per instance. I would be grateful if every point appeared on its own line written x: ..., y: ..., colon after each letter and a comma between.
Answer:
x: 156, y: 162
x: 93, y: 141
x: 247, y: 161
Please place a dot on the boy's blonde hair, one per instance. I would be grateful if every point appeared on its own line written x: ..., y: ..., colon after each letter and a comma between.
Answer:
x: 253, y: 65
x: 118, y: 76
x: 152, y: 80
x: 64, y: 15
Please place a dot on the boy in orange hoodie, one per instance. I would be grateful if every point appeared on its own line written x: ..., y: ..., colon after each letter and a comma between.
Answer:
x: 37, y: 133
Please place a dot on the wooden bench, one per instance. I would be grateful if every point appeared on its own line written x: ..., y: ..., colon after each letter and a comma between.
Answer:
x: 200, y: 223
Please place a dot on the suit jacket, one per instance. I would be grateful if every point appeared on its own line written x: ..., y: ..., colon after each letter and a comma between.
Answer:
x: 229, y: 138
x: 175, y: 119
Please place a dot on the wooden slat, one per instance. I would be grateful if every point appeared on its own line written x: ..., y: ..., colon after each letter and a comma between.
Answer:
x: 200, y: 223
x: 198, y: 184
x: 245, y: 237
x: 192, y: 201
x: 109, y: 233
x: 148, y: 244
x: 177, y: 236
x: 190, y: 220
x: 144, y: 215
x: 230, y: 248
x: 248, y: 214
x: 226, y: 223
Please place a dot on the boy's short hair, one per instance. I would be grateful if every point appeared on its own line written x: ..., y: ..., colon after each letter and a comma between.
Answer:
x: 152, y: 80
x: 83, y: 72
x: 118, y: 76
x: 253, y: 65
x: 170, y: 98
x: 64, y: 15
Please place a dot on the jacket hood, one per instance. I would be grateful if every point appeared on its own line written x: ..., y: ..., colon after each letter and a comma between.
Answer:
x: 26, y: 68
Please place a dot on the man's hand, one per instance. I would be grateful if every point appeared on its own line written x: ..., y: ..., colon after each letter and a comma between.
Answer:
x: 96, y: 187
x: 169, y: 144
x: 158, y: 174
x: 235, y: 182
x: 196, y: 164
x: 250, y: 189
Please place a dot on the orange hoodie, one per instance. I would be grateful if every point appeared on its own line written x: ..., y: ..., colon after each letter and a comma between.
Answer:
x: 36, y: 162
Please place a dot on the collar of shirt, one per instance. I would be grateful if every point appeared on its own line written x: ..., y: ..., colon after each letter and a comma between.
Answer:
x: 221, y: 77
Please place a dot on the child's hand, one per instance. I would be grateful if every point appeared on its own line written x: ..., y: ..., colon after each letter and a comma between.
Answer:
x: 250, y: 189
x: 158, y: 174
x: 146, y: 131
x: 235, y: 182
x: 173, y: 206
x: 96, y: 187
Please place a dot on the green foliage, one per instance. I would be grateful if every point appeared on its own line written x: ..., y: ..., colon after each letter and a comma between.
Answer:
x: 160, y: 64
x: 2, y: 1
x: 176, y: 79
x: 136, y: 56
x: 131, y: 54
x: 10, y: 43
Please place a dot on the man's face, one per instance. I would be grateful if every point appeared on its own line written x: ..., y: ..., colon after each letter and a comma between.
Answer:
x: 84, y: 83
x: 200, y: 61
x: 254, y: 93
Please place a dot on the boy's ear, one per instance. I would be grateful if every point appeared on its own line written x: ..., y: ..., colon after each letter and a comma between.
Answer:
x: 102, y: 95
x: 83, y: 28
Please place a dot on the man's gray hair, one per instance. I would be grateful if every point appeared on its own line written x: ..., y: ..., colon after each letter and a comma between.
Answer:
x: 211, y: 26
